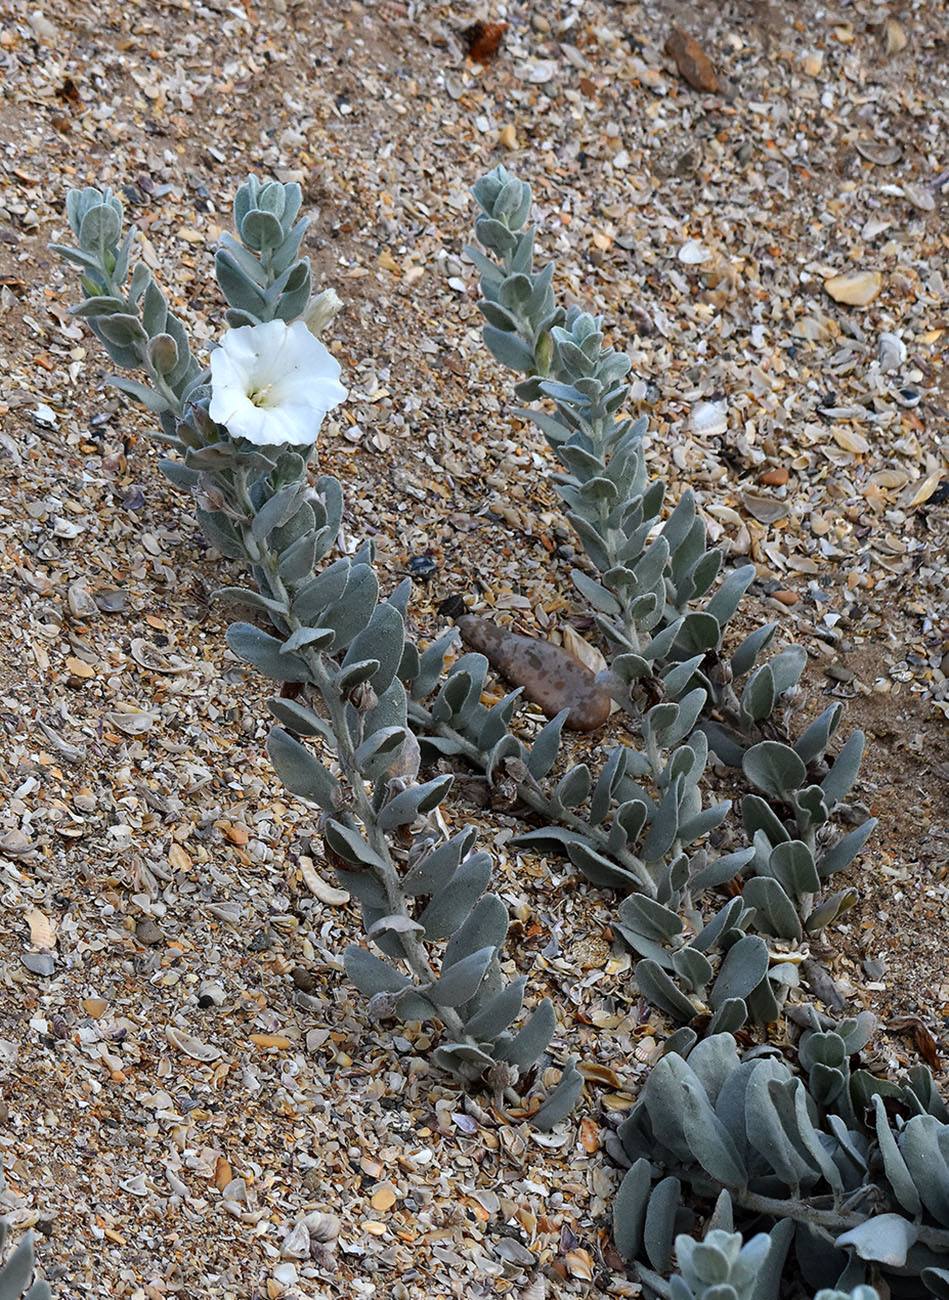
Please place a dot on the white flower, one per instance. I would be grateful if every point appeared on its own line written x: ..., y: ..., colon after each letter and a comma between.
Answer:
x: 273, y: 383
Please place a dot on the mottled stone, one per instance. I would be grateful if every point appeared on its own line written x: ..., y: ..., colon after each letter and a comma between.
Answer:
x: 549, y: 675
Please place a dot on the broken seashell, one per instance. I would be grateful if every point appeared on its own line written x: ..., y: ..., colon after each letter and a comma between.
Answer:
x: 856, y: 288
x: 710, y: 418
x: 875, y: 151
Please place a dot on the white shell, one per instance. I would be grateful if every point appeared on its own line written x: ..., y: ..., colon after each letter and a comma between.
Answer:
x: 891, y: 351
x: 693, y: 251
x: 710, y: 418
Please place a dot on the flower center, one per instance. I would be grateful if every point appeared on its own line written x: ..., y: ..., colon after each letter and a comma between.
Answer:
x: 260, y: 396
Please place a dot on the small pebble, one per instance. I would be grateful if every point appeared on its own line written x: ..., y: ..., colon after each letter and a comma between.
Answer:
x: 550, y: 677
x: 147, y: 932
x: 40, y: 963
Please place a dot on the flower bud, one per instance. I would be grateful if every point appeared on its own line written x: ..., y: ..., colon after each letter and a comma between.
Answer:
x: 321, y: 311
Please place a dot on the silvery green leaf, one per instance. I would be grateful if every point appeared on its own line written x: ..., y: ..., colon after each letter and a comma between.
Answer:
x: 661, y: 644
x: 759, y: 696
x: 883, y: 1238
x: 437, y: 867
x: 679, y: 676
x: 293, y: 302
x: 381, y: 639
x: 845, y: 850
x: 499, y: 1012
x: 122, y: 329
x: 656, y: 986
x: 508, y: 349
x: 697, y: 633
x: 350, y: 845
x: 786, y: 667
x: 178, y: 473
x: 727, y: 919
x: 679, y: 524
x: 764, y: 1130
x: 549, y: 839
x: 727, y: 598
x: 416, y: 801
x: 729, y: 1017
x: 792, y: 865
x: 409, y: 663
x: 776, y: 914
x: 316, y: 638
x: 247, y: 596
x: 485, y: 926
x: 494, y: 235
x: 830, y: 909
x: 431, y: 665
x: 261, y: 230
x: 591, y: 541
x: 463, y: 1060
x: 498, y: 720
x: 264, y: 652
x: 99, y: 230
x: 720, y: 870
x: 543, y: 752
x: 600, y: 870
x: 743, y: 660
x: 630, y: 668
x: 810, y: 808
x: 936, y: 1281
x: 350, y: 615
x: 507, y: 747
x: 664, y: 828
x: 562, y: 1100
x: 596, y: 594
x: 298, y: 559
x: 744, y: 967
x: 924, y: 1146
x: 628, y: 821
x: 497, y: 316
x: 391, y: 711
x: 277, y: 510
x: 574, y: 786
x: 709, y: 1140
x: 151, y: 400
x: 762, y: 1005
x: 629, y: 1209
x: 397, y: 923
x: 16, y: 1272
x: 320, y: 592
x: 650, y: 918
x: 897, y: 1173
x: 815, y: 739
x: 379, y: 751
x: 660, y: 1225
x: 790, y: 1100
x: 774, y: 768
x: 692, y: 967
x: 354, y: 674
x: 689, y: 708
x: 239, y: 288
x: 460, y: 982
x: 297, y: 717
x: 613, y: 771
x: 533, y: 1039
x: 837, y: 784
x: 301, y: 771
x: 449, y: 908
x: 757, y: 815
x: 643, y: 947
x: 370, y: 973
x: 697, y: 580
x: 101, y: 305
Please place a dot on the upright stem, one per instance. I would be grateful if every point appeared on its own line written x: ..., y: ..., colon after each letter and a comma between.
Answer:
x: 322, y: 677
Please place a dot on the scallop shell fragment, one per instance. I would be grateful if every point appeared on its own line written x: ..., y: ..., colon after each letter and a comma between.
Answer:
x: 878, y: 152
x: 856, y: 288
